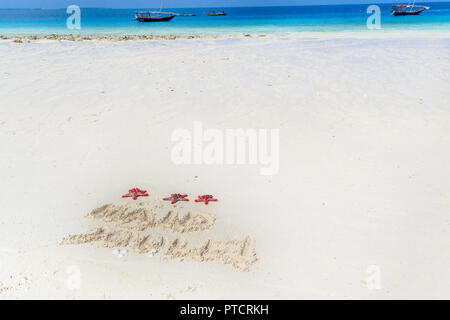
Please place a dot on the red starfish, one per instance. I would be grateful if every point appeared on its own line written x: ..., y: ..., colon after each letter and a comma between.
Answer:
x: 175, y: 197
x: 206, y: 198
x: 135, y: 193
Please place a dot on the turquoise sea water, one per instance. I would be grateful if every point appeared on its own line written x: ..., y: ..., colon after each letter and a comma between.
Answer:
x: 238, y: 20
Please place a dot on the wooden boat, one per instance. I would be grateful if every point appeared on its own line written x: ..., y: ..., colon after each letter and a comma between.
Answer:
x: 154, y: 16
x: 407, y: 9
x: 223, y: 13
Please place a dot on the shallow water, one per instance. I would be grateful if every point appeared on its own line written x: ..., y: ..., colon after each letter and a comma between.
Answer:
x: 238, y: 20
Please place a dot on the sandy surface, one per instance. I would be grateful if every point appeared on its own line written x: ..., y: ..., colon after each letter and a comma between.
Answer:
x: 359, y: 208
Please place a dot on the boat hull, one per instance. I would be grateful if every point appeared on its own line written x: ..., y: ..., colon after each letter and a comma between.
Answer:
x: 154, y: 19
x: 407, y: 13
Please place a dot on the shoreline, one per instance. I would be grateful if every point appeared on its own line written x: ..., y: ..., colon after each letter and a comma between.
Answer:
x: 297, y: 34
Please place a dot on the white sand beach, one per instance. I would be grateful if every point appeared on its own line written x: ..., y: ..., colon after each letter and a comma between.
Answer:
x: 358, y: 208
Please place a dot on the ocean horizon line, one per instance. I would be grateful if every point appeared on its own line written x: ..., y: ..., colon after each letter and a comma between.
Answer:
x: 240, y: 7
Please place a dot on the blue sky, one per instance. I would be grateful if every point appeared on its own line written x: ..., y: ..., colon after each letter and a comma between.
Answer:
x: 180, y: 3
